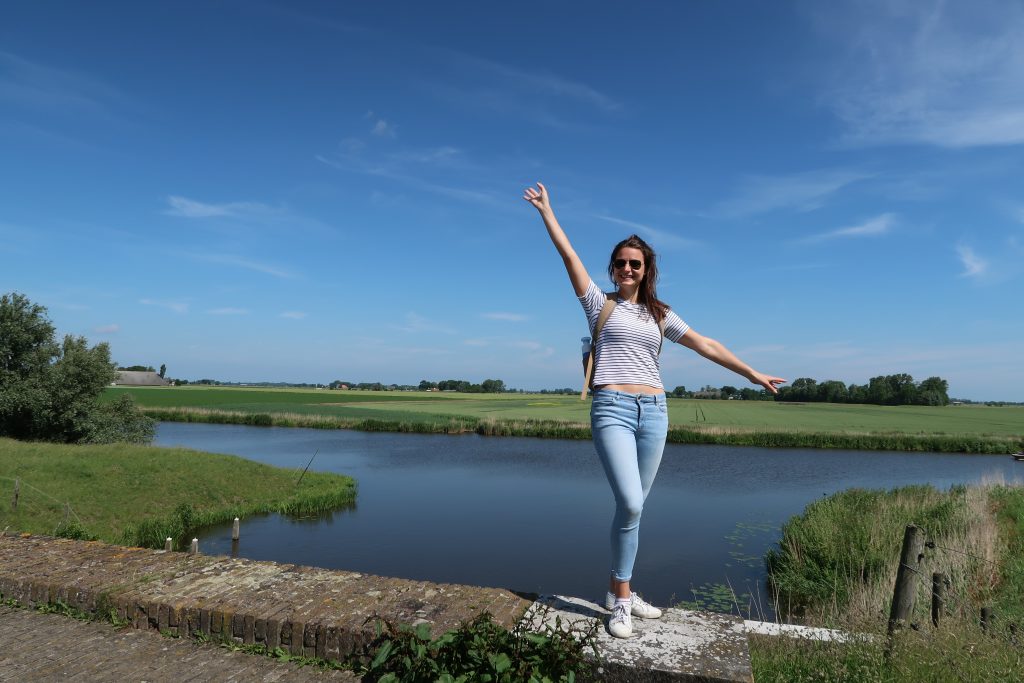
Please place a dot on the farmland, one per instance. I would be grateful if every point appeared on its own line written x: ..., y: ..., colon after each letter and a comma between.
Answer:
x: 970, y: 428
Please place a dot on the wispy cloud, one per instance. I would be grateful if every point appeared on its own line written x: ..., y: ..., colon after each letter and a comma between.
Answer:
x: 294, y: 315
x: 416, y: 323
x: 40, y: 87
x: 879, y: 225
x: 536, y: 350
x: 384, y: 171
x: 190, y: 208
x: 538, y: 96
x: 932, y: 72
x: 241, y: 262
x: 176, y: 306
x: 509, y: 317
x: 974, y: 265
x: 228, y: 311
x: 107, y: 329
x: 381, y: 128
x: 800, y: 192
x: 661, y: 238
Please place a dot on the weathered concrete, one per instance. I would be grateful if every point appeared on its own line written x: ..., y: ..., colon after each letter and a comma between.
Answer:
x: 680, y: 646
x: 309, y: 611
x: 49, y: 647
x: 330, y: 614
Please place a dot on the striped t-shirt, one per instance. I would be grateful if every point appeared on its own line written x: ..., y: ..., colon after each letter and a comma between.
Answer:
x: 627, y: 350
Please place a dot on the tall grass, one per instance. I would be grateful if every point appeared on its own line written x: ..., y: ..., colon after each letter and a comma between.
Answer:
x: 836, y: 564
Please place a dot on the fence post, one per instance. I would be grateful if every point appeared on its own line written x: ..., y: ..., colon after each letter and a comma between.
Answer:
x: 234, y: 530
x: 168, y: 544
x: 938, y: 596
x: 986, y: 618
x: 903, y: 594
x: 194, y: 548
x: 17, y: 491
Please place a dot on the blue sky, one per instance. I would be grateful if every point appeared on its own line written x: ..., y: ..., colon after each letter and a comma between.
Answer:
x: 313, y: 191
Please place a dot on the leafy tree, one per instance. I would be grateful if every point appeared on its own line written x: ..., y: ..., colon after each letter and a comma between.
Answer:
x: 139, y: 368
x: 163, y: 370
x: 49, y: 390
x: 492, y: 386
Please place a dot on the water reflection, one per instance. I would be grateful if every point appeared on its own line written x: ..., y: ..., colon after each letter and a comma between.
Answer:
x: 534, y: 515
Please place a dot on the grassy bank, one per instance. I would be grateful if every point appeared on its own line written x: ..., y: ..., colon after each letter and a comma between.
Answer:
x: 139, y: 495
x: 427, y: 423
x: 836, y: 564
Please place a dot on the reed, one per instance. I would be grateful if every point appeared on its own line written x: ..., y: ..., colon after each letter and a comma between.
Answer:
x: 557, y: 429
x: 836, y: 565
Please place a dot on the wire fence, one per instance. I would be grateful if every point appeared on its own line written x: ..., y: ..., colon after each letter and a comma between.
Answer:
x: 30, y: 502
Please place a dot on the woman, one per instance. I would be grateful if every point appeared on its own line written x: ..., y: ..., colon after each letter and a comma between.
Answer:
x: 629, y: 415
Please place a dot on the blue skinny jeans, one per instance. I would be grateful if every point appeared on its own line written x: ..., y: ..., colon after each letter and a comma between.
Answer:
x: 629, y: 434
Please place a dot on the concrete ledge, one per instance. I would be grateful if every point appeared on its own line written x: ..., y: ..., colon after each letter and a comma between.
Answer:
x: 682, y: 645
x: 330, y: 614
x: 306, y: 610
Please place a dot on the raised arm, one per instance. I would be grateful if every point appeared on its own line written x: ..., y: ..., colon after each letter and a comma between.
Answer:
x: 715, y: 351
x: 573, y: 266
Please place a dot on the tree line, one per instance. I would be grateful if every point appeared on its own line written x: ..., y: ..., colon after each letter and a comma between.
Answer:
x: 885, y: 390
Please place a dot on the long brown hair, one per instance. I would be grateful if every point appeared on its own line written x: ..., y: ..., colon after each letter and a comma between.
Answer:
x: 648, y: 291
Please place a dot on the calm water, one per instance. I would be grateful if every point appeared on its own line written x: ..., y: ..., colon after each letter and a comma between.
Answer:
x: 533, y: 515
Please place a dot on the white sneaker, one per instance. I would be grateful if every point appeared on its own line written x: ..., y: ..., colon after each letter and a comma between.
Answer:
x: 638, y: 606
x: 620, y: 624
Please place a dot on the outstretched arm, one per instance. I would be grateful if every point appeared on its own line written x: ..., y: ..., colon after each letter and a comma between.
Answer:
x: 715, y: 351
x: 573, y: 266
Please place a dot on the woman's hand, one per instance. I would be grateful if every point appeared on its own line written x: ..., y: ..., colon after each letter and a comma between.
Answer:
x: 767, y: 381
x: 539, y: 198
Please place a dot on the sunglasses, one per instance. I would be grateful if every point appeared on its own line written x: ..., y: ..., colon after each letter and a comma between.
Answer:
x: 635, y: 264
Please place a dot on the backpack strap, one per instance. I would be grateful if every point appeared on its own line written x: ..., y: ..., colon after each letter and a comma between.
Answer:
x: 602, y: 318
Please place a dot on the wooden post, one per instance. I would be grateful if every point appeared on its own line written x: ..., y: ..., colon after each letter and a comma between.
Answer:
x: 234, y: 530
x: 986, y: 618
x: 168, y: 544
x: 938, y: 596
x: 903, y: 594
x: 17, y: 492
x: 194, y: 549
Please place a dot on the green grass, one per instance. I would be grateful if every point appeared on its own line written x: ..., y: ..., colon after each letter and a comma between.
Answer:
x: 836, y: 564
x: 139, y: 495
x: 972, y: 429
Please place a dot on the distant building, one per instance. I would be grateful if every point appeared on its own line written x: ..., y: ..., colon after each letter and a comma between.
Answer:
x: 132, y: 378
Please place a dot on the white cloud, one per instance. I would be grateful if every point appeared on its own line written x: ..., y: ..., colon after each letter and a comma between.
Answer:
x: 228, y: 311
x: 190, y: 208
x: 294, y: 315
x: 416, y: 323
x: 801, y: 192
x: 382, y: 129
x: 659, y: 238
x: 509, y: 317
x: 176, y: 306
x: 939, y: 73
x: 879, y: 225
x: 242, y: 262
x: 40, y: 87
x: 974, y: 265
x: 107, y: 329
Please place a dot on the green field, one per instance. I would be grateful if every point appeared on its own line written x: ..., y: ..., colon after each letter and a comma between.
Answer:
x: 951, y: 428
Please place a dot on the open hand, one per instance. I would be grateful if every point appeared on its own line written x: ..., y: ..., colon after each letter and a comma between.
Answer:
x: 539, y: 197
x: 767, y: 381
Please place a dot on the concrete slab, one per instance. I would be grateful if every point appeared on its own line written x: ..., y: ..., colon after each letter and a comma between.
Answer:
x: 681, y: 646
